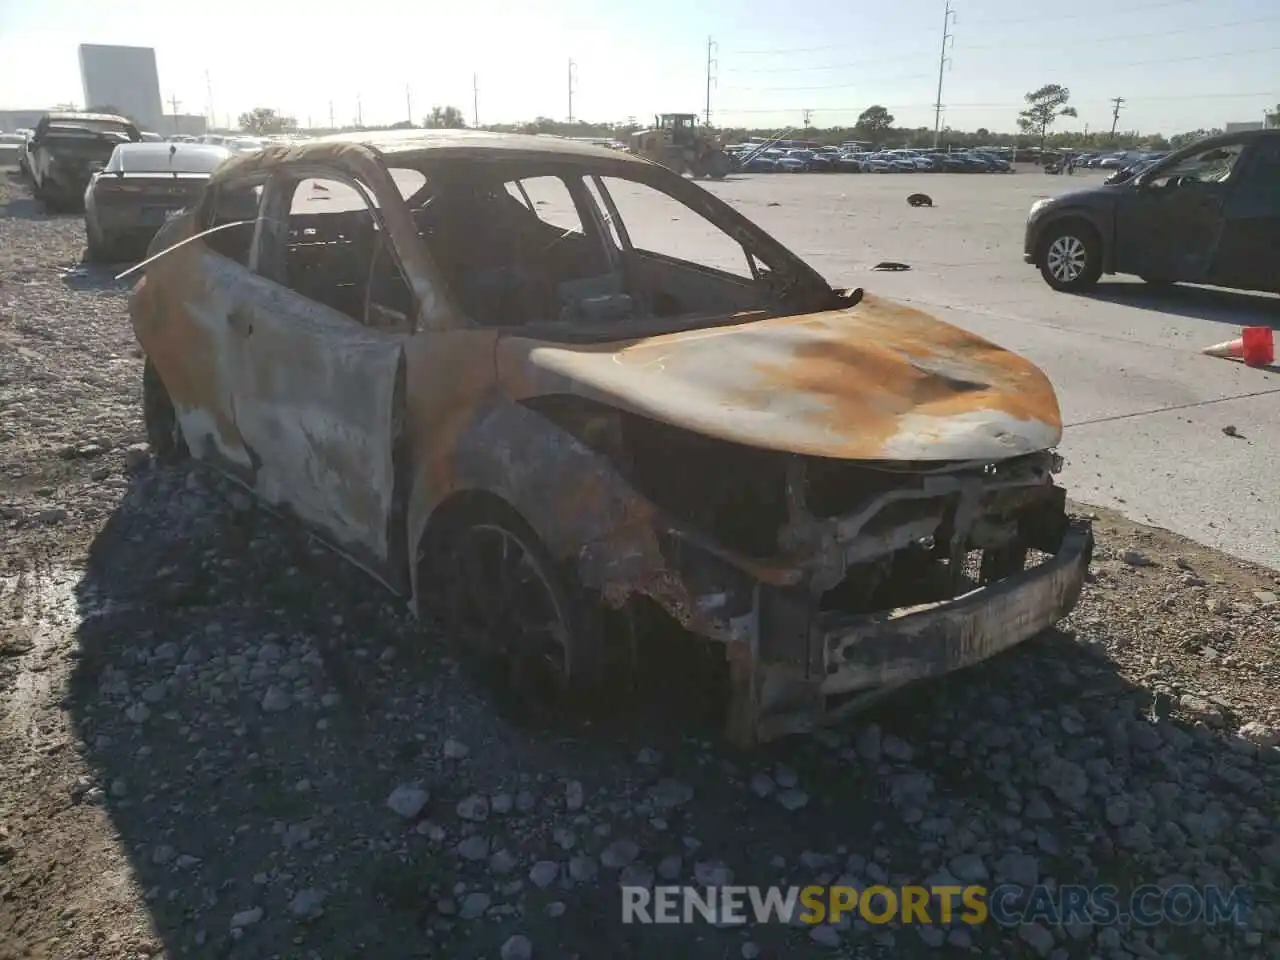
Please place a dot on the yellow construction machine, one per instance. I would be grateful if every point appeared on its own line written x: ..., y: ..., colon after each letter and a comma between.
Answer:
x: 676, y: 142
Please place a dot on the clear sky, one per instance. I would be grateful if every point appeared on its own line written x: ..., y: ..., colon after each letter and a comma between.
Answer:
x: 1179, y: 64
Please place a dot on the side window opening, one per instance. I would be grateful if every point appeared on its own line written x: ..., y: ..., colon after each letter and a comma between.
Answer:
x: 514, y: 250
x: 337, y: 254
x: 660, y: 224
x: 236, y: 204
x: 1209, y: 166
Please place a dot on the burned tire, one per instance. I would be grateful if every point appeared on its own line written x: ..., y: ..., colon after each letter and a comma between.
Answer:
x: 163, y: 430
x: 521, y: 620
x: 1070, y: 257
x: 98, y: 249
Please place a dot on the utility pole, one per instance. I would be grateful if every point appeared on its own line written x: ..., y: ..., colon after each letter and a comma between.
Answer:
x: 173, y: 102
x: 573, y: 75
x: 948, y: 19
x: 807, y: 115
x: 359, y: 113
x: 711, y: 46
x: 1115, y: 114
x: 332, y: 124
x: 475, y: 100
x: 408, y: 104
x: 208, y: 87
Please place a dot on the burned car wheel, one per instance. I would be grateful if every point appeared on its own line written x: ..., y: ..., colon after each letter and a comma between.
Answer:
x: 1071, y: 257
x: 517, y: 617
x: 98, y: 249
x: 161, y: 420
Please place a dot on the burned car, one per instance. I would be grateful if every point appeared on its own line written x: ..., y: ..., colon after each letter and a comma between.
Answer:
x: 66, y: 149
x: 550, y: 390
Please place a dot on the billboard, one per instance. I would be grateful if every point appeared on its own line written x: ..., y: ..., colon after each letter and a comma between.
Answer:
x: 125, y: 78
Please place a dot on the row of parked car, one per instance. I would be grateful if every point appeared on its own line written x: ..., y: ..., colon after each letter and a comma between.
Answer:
x: 65, y: 152
x: 1122, y: 160
x: 836, y: 160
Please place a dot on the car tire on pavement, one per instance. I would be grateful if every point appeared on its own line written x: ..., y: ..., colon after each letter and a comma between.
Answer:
x: 1070, y: 257
x: 98, y: 249
x: 164, y: 433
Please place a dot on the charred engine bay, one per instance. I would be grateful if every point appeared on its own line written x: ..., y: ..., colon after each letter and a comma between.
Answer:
x: 778, y: 507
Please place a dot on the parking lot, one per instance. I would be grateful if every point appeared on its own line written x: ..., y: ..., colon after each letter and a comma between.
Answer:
x: 1144, y: 410
x: 217, y: 741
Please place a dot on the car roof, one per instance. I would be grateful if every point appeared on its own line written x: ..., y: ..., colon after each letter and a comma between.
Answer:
x: 73, y: 116
x: 404, y: 147
x: 1236, y: 136
x: 469, y: 142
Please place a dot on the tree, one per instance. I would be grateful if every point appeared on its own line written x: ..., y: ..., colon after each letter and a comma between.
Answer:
x: 1180, y: 140
x: 874, y: 122
x: 448, y: 118
x: 401, y: 125
x: 1044, y: 106
x: 264, y: 120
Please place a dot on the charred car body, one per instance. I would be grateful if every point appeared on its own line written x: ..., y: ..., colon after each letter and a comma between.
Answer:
x: 458, y: 357
x: 66, y: 149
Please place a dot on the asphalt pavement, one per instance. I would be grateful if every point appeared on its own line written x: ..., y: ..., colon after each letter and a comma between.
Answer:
x: 1148, y: 418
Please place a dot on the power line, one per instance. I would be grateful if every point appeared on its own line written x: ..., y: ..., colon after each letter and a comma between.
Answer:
x: 1114, y: 38
x: 711, y: 46
x: 1160, y: 5
x: 1002, y: 21
x: 1146, y: 35
x: 1095, y: 67
x: 948, y: 17
x: 834, y: 86
x: 1115, y: 113
x: 1013, y: 103
x: 573, y: 74
x: 896, y: 58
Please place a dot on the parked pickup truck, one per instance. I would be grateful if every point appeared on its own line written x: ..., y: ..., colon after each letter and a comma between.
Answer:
x: 66, y: 149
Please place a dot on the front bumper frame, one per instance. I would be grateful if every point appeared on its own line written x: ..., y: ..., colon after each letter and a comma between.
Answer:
x: 856, y: 659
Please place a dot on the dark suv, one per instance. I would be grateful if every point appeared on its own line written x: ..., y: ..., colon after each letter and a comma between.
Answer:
x: 1209, y: 213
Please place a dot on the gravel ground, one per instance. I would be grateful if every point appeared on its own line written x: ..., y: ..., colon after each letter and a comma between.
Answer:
x: 217, y: 740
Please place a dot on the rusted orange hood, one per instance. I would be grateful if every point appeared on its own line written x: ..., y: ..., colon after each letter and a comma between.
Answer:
x: 878, y: 381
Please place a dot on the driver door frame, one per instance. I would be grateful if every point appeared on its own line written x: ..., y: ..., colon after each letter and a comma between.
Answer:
x: 320, y: 396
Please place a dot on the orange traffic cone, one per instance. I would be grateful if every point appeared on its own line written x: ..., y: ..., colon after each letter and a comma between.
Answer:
x: 1256, y: 347
x: 1227, y: 349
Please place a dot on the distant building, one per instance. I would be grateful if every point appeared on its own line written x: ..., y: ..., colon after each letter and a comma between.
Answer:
x: 124, y: 78
x: 1243, y: 126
